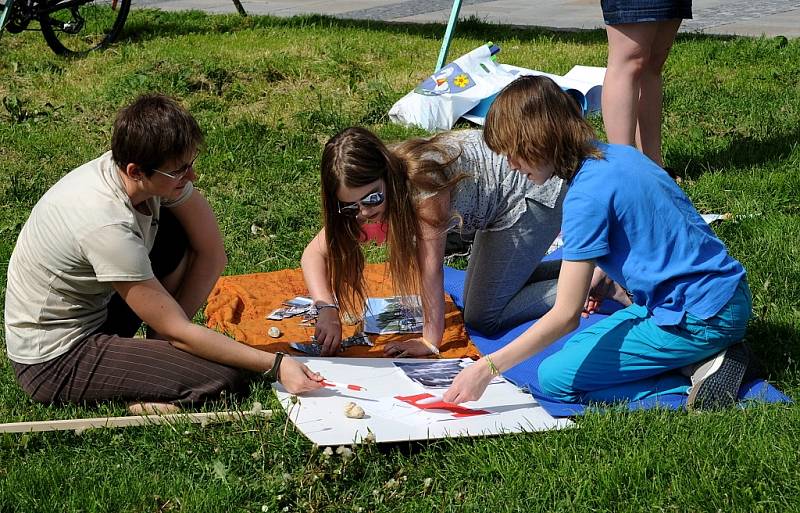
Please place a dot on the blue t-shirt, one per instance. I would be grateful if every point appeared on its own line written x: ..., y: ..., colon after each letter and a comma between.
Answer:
x: 628, y: 215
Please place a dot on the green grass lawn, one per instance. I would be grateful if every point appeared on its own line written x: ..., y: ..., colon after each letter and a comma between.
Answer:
x: 268, y: 93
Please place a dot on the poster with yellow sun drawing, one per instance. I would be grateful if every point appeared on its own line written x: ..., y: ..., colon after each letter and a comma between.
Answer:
x: 450, y: 79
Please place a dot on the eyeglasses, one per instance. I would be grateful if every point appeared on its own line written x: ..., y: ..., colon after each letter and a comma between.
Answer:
x: 372, y: 199
x: 181, y: 171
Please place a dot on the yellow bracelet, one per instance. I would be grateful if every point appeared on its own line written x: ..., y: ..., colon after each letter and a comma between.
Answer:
x: 433, y: 348
x: 493, y: 370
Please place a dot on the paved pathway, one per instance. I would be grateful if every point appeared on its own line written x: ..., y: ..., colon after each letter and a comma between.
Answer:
x: 739, y: 17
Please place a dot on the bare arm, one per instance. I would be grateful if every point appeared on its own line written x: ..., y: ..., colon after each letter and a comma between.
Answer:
x: 573, y: 288
x: 430, y: 255
x: 155, y: 306
x: 328, y: 329
x: 207, y: 257
x: 315, y: 269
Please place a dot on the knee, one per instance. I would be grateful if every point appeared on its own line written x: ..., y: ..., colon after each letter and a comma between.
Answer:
x: 553, y: 382
x: 223, y: 379
x: 632, y: 64
x: 478, y: 319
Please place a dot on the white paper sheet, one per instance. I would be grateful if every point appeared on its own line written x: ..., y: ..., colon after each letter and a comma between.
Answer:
x: 584, y: 83
x: 320, y: 415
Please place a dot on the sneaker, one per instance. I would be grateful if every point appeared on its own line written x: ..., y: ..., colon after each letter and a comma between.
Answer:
x: 716, y: 382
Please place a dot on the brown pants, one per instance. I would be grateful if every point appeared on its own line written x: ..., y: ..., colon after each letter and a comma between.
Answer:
x: 109, y: 364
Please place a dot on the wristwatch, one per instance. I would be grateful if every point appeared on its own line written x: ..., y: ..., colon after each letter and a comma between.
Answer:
x: 272, y: 375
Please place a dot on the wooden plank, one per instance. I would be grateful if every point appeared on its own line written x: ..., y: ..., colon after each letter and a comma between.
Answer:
x: 129, y: 421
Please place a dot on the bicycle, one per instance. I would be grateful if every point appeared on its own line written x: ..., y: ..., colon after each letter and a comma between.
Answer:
x: 70, y: 27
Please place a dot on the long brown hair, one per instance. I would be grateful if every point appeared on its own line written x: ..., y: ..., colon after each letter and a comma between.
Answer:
x: 356, y: 157
x: 534, y: 120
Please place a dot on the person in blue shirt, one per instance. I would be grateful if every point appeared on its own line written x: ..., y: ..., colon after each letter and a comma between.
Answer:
x: 629, y: 232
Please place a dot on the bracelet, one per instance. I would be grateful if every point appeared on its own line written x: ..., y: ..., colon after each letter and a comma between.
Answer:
x: 320, y: 306
x: 493, y: 370
x: 434, y: 350
x: 272, y: 375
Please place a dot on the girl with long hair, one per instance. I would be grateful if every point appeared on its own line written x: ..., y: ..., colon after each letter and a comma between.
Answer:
x: 417, y: 191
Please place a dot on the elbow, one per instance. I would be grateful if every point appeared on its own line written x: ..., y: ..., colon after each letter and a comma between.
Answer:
x: 572, y: 323
x: 177, y: 333
x: 213, y: 260
x: 311, y: 259
x: 217, y: 260
x: 305, y: 259
x: 221, y: 260
x: 567, y: 321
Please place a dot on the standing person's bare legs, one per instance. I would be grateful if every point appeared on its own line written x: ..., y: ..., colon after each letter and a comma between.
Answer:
x: 648, y: 127
x: 631, y: 101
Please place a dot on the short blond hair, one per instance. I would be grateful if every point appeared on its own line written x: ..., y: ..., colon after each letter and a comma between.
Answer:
x: 534, y: 120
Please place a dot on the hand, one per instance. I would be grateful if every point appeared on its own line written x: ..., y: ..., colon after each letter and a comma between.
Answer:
x: 407, y: 349
x: 603, y: 288
x: 296, y: 378
x: 470, y: 383
x: 328, y: 331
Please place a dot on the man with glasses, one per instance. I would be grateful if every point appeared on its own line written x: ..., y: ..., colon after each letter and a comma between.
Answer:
x: 123, y: 239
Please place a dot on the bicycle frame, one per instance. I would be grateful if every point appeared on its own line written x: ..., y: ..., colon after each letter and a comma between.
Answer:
x: 39, y: 8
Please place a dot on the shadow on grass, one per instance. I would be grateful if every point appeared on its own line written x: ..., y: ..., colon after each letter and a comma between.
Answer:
x: 739, y: 154
x: 145, y: 24
x: 148, y: 24
x: 777, y: 351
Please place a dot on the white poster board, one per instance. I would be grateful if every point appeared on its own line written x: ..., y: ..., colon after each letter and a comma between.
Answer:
x: 319, y: 415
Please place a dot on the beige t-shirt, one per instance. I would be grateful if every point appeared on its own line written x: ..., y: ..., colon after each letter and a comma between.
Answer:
x: 83, y: 234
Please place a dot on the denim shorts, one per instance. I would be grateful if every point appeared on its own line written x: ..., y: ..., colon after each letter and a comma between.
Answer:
x: 616, y: 12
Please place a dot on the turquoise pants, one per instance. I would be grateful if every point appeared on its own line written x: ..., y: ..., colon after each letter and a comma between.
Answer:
x: 626, y: 357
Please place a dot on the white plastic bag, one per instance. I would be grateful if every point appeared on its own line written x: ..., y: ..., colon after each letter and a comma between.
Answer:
x: 452, y: 91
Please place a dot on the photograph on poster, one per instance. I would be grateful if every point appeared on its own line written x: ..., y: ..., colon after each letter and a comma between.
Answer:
x: 436, y: 373
x: 390, y: 315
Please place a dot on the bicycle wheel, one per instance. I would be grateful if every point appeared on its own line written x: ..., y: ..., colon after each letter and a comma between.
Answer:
x: 84, y: 26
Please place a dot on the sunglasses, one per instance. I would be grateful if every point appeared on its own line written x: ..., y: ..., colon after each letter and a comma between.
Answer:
x: 372, y: 199
x: 181, y: 171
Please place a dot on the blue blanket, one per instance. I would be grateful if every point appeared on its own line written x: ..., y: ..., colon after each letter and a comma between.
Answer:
x: 525, y: 374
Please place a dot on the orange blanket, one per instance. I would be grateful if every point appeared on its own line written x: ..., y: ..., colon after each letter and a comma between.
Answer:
x: 239, y: 305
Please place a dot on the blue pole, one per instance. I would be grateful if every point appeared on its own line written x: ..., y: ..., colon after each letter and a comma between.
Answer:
x: 5, y: 10
x: 448, y: 35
